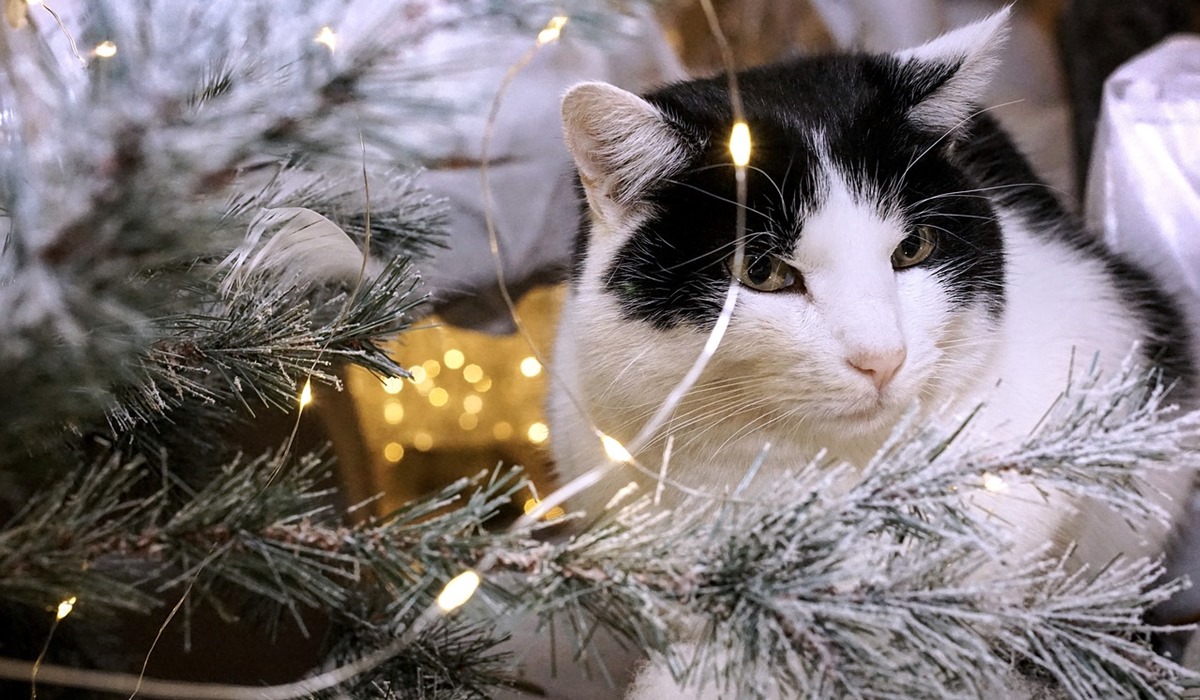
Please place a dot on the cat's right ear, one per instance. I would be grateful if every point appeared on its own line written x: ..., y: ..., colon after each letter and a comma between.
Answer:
x: 621, y: 144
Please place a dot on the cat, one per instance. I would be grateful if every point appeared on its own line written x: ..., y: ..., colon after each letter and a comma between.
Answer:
x: 899, y: 250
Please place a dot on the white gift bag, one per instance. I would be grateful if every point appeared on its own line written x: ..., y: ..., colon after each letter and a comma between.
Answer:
x: 1143, y: 191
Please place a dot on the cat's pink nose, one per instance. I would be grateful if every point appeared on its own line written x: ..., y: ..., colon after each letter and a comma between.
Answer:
x: 879, y: 365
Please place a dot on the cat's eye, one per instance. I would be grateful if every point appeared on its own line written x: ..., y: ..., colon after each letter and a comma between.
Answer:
x: 914, y: 248
x: 766, y: 273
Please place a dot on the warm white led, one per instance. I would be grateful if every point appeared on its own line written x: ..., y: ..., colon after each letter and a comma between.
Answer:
x: 65, y: 607
x: 993, y: 483
x: 538, y: 433
x: 458, y: 591
x: 306, y: 394
x: 454, y: 358
x: 739, y: 144
x: 552, y: 30
x: 615, y: 450
x: 530, y: 367
x: 327, y: 37
x: 105, y: 49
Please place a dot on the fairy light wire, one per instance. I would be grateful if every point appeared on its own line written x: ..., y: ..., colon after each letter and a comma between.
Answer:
x: 739, y: 134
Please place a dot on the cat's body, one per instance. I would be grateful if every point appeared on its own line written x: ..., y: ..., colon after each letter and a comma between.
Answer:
x: 903, y: 252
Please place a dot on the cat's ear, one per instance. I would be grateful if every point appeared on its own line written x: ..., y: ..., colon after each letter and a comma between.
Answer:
x: 620, y: 142
x: 950, y: 74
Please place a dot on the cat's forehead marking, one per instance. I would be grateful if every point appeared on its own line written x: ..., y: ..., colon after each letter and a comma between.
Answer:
x: 847, y: 223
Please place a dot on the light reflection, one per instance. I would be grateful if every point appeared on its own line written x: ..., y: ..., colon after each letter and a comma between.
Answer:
x: 538, y: 433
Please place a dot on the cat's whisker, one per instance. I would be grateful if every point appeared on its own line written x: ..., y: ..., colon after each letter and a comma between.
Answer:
x: 950, y: 131
x: 718, y: 197
x: 974, y: 193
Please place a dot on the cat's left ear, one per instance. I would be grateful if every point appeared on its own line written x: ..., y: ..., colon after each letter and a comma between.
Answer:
x: 949, y: 75
x: 621, y: 144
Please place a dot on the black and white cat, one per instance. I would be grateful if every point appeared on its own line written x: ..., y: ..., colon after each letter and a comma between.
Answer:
x: 899, y: 250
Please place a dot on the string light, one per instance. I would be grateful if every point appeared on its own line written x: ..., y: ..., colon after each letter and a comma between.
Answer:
x: 432, y: 368
x: 739, y: 144
x: 502, y: 430
x: 530, y: 367
x: 327, y: 37
x: 993, y: 483
x: 419, y: 375
x: 394, y: 452
x: 453, y: 358
x: 538, y: 433
x: 393, y: 385
x: 393, y: 412
x: 483, y: 384
x: 65, y: 607
x: 306, y: 394
x: 552, y: 30
x: 423, y: 441
x: 468, y: 421
x: 553, y: 514
x: 615, y: 450
x: 458, y: 590
x: 439, y: 396
x: 105, y: 49
x: 472, y: 403
x: 472, y: 373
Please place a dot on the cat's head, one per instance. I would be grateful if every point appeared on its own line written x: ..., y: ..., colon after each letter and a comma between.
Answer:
x: 873, y: 270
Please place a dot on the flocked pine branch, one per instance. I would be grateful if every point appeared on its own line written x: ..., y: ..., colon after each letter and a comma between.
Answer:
x: 868, y: 591
x: 121, y: 182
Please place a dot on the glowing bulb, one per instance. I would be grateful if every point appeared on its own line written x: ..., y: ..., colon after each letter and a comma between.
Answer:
x: 419, y: 375
x: 472, y: 403
x: 538, y: 433
x: 65, y: 607
x: 327, y: 37
x: 530, y: 367
x: 393, y: 413
x: 432, y: 367
x: 502, y: 430
x: 483, y: 384
x: 393, y: 385
x: 458, y: 591
x: 423, y: 441
x: 306, y: 395
x: 439, y: 396
x: 615, y: 450
x: 468, y: 421
x: 472, y: 373
x: 554, y: 513
x: 454, y: 358
x: 739, y: 144
x: 993, y: 483
x: 552, y: 30
x: 105, y: 49
x: 393, y: 451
